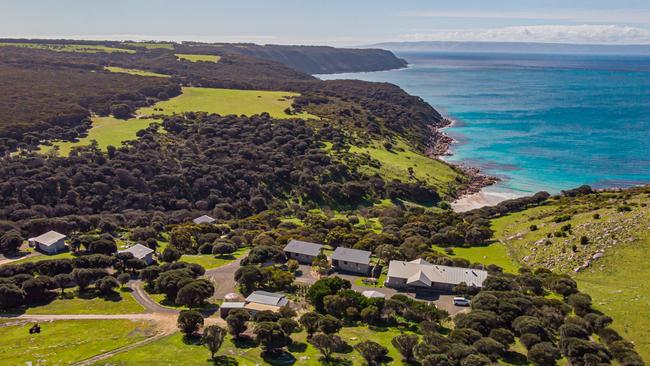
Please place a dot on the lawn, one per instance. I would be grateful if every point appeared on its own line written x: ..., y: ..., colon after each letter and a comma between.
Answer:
x: 395, y: 164
x: 135, y: 72
x: 106, y: 131
x: 81, y: 48
x: 227, y: 101
x: 68, y: 341
x: 41, y: 257
x: 209, y: 261
x: 495, y: 253
x: 380, y: 281
x: 198, y: 58
x: 174, y: 350
x: 121, y: 302
x: 151, y: 45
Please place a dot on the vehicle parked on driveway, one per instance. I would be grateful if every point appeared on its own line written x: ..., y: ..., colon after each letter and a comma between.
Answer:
x: 461, y: 301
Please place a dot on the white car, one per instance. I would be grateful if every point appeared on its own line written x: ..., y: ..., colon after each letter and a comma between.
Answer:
x: 461, y: 301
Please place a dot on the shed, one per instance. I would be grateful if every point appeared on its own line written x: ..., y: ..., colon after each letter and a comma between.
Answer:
x: 205, y: 219
x: 140, y: 251
x: 225, y: 308
x: 51, y: 242
x: 351, y: 260
x: 302, y: 251
x: 267, y: 298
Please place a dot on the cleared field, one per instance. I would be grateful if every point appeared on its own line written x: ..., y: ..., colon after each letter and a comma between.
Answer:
x: 106, y: 131
x: 81, y: 48
x: 152, y: 45
x: 495, y: 253
x: 68, y: 341
x: 227, y: 101
x: 209, y: 261
x: 617, y: 281
x: 174, y: 350
x: 198, y: 58
x: 37, y: 258
x: 135, y: 72
x: 119, y: 303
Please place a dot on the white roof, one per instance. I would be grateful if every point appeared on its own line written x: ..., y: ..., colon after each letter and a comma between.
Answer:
x: 205, y: 219
x: 372, y: 293
x: 232, y: 305
x: 139, y: 251
x: 48, y: 238
x: 422, y: 273
x: 267, y: 298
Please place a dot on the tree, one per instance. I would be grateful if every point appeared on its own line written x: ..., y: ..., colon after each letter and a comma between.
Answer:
x: 121, y: 111
x: 150, y: 274
x: 107, y: 284
x: 123, y: 278
x: 171, y: 254
x: 405, y: 343
x: 83, y: 277
x: 310, y: 322
x: 195, y: 293
x: 436, y: 359
x: 370, y: 314
x: 288, y: 325
x: 324, y: 287
x: 249, y: 278
x: 292, y: 265
x: 489, y: 347
x: 271, y: 337
x: 371, y: 351
x: 63, y: 281
x: 581, y: 303
x: 11, y: 296
x: 10, y: 241
x: 543, y: 354
x: 213, y: 337
x: 325, y: 343
x: 189, y: 321
x: 476, y: 360
x: 502, y: 335
x: 329, y: 324
x: 387, y: 253
x: 236, y: 321
x: 222, y: 249
x: 37, y: 288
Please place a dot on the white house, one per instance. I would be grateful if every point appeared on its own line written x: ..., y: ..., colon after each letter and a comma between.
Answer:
x: 420, y: 274
x: 51, y: 242
x: 140, y: 251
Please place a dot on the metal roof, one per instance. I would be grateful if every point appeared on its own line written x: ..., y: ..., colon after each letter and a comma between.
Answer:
x: 232, y: 305
x: 303, y: 247
x: 48, y: 238
x: 139, y: 251
x: 372, y: 294
x: 267, y: 298
x: 418, y: 273
x: 351, y: 255
x: 205, y: 219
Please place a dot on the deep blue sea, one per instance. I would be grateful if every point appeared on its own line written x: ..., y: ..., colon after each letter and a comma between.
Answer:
x: 539, y: 122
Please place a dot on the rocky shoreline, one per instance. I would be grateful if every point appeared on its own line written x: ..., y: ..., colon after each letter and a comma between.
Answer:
x: 440, y: 145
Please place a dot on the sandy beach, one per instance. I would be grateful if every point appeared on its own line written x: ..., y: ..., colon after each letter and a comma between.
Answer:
x: 485, y: 197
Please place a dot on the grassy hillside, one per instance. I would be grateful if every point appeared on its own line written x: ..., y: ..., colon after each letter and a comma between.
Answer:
x: 81, y: 48
x: 135, y: 72
x: 68, y: 341
x: 106, y: 131
x: 227, y: 101
x: 617, y: 280
x: 198, y: 58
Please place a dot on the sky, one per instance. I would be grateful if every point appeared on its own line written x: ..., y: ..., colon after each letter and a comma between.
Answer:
x: 332, y: 22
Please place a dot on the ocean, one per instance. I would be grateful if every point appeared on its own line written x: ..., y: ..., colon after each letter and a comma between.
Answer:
x: 538, y: 122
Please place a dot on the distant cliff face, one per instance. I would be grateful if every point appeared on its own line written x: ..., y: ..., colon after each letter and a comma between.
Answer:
x: 308, y: 59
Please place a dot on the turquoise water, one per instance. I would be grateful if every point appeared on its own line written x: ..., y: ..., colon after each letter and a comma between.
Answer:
x: 539, y: 122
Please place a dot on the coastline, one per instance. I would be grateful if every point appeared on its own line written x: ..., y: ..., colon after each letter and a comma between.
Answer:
x: 474, y: 195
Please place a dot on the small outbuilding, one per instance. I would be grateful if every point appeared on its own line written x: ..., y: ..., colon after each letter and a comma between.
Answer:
x: 51, y: 242
x: 351, y: 260
x: 226, y: 307
x: 265, y: 301
x: 205, y: 219
x: 371, y: 294
x: 302, y: 251
x: 141, y: 252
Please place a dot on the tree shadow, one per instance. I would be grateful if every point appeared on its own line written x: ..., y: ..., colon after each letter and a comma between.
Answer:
x: 244, y: 341
x: 299, y: 347
x: 224, y: 361
x: 515, y: 358
x: 279, y: 358
x: 335, y: 361
x: 192, y: 340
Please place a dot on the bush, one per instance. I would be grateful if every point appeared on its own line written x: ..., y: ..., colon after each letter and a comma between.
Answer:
x: 371, y: 351
x: 189, y: 321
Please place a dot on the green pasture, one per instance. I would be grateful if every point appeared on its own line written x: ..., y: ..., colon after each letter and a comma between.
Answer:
x: 494, y: 253
x: 198, y: 58
x: 120, y: 302
x: 80, y: 48
x: 137, y: 72
x: 209, y: 261
x: 151, y: 45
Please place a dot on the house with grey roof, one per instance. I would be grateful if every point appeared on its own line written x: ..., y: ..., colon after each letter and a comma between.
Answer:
x: 351, y: 260
x: 51, y: 242
x: 302, y: 251
x: 205, y: 219
x: 265, y: 301
x: 140, y: 251
x: 420, y: 274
